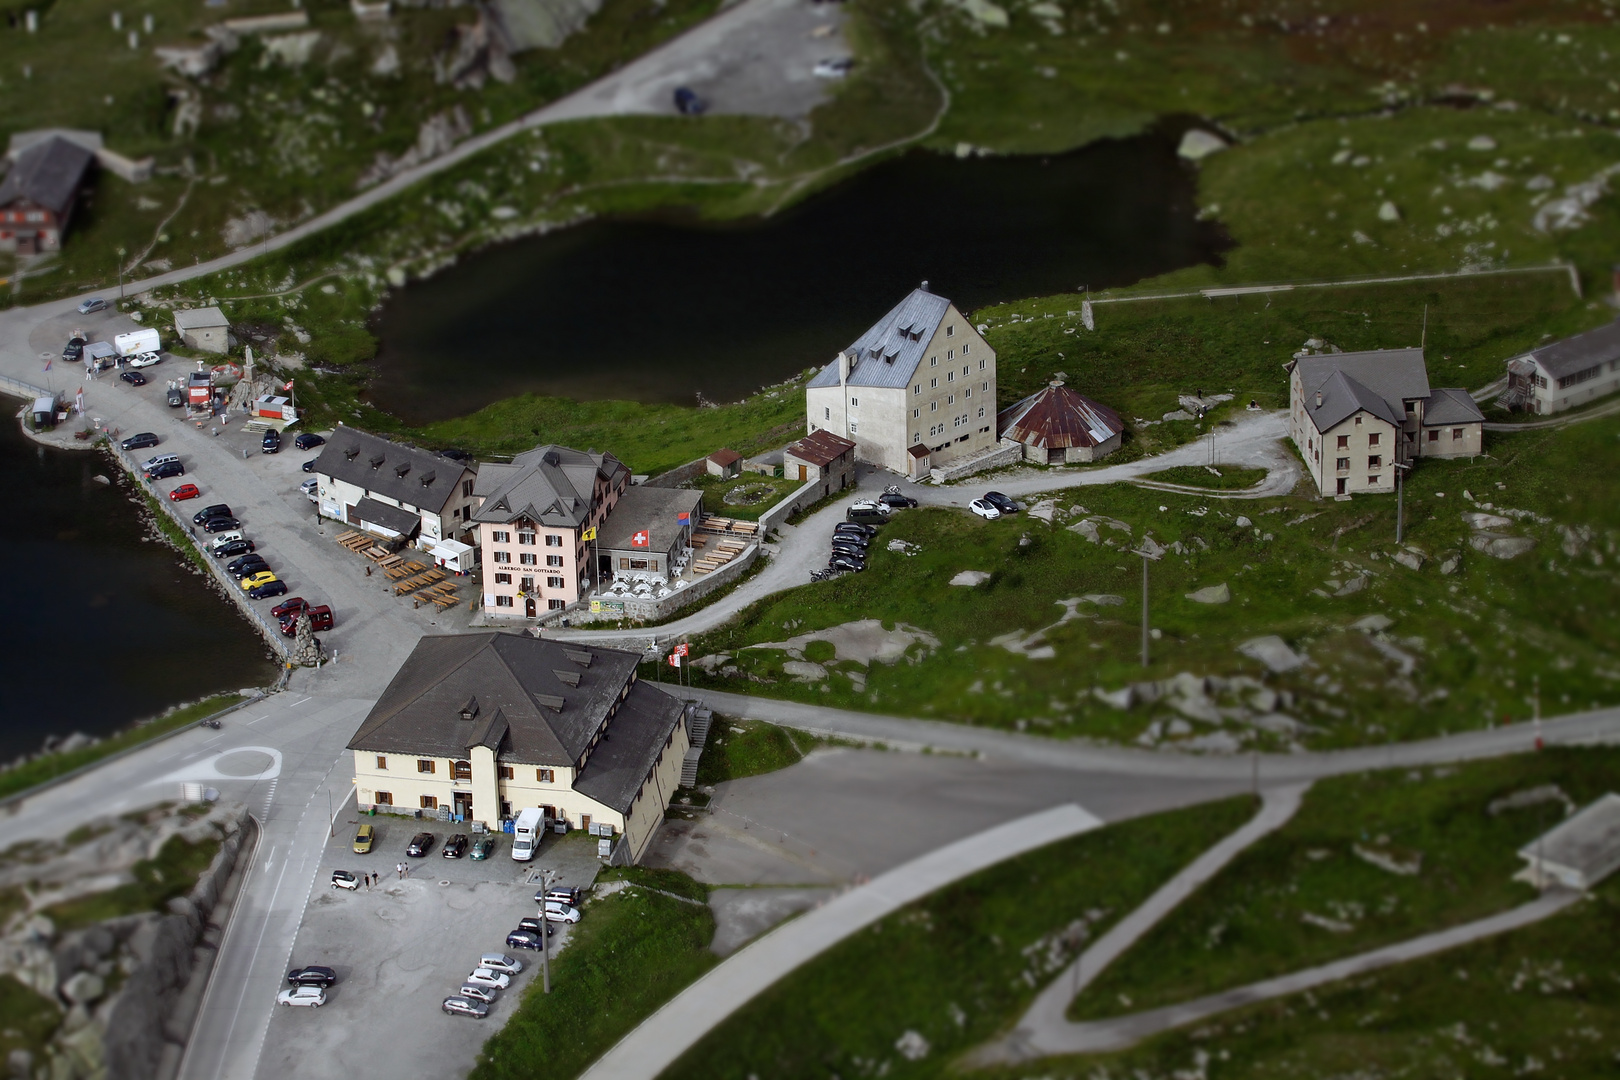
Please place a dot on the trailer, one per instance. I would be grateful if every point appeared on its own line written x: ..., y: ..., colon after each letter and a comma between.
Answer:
x: 138, y: 341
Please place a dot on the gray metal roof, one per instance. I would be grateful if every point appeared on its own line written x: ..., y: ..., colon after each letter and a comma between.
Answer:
x: 887, y: 355
x: 1380, y: 382
x: 653, y: 509
x: 521, y: 678
x: 47, y: 174
x: 1579, y: 353
x: 199, y: 318
x: 550, y: 485
x: 372, y: 512
x: 1587, y: 843
x: 1450, y: 405
x: 404, y: 473
x: 630, y: 747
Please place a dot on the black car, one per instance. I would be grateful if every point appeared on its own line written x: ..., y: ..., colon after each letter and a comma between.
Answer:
x: 239, y: 567
x: 455, y: 847
x: 524, y: 939
x: 850, y: 528
x: 1001, y: 502
x: 846, y: 562
x: 268, y: 589
x: 272, y: 441
x: 221, y: 524
x: 309, y: 466
x: 852, y: 539
x: 842, y: 546
x: 175, y: 397
x: 235, y: 547
x: 899, y: 502
x: 140, y: 441
x: 313, y: 975
x: 421, y: 844
x: 687, y: 103
x: 216, y: 511
x: 165, y: 470
x: 536, y: 923
x: 309, y: 441
x: 73, y: 351
x: 134, y: 378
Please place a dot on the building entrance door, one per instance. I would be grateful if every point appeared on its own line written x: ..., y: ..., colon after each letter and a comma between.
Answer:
x: 528, y: 607
x: 463, y: 804
x: 1342, y: 482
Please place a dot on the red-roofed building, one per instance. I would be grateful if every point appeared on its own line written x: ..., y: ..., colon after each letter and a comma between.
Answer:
x: 724, y: 462
x: 1058, y: 426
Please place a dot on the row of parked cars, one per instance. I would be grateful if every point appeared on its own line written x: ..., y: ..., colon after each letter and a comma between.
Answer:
x: 480, y: 989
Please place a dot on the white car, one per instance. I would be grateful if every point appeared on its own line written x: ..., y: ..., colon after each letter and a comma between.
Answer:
x: 486, y: 994
x: 145, y: 359
x: 345, y: 879
x: 833, y: 68
x: 312, y: 996
x: 984, y: 509
x: 485, y: 977
x: 870, y: 504
x: 555, y: 911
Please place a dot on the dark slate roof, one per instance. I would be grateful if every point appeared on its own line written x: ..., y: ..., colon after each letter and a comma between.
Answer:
x: 1451, y: 406
x: 820, y: 448
x: 621, y: 761
x: 519, y: 677
x: 887, y: 355
x: 389, y: 517
x: 1580, y: 352
x: 404, y: 473
x: 48, y: 174
x: 653, y: 509
x: 1058, y: 417
x: 1380, y: 382
x: 551, y: 485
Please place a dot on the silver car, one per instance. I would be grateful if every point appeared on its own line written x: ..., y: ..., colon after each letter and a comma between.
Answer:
x: 474, y: 992
x: 460, y: 1006
x: 485, y: 977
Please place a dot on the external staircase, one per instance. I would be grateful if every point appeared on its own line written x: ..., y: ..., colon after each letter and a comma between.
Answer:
x: 698, y: 719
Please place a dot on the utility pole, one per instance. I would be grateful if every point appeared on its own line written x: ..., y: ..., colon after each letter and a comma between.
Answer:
x: 1535, y: 706
x: 545, y: 932
x: 120, y: 274
x: 1400, y: 494
x: 1146, y: 555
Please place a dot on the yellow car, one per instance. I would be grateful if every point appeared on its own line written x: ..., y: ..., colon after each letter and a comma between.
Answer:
x: 263, y: 577
x: 363, y: 837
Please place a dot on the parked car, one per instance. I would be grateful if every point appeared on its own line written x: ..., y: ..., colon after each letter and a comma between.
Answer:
x: 345, y: 879
x: 495, y: 961
x: 897, y: 502
x: 687, y: 103
x: 302, y: 995
x: 92, y: 305
x: 460, y: 1006
x: 835, y: 68
x: 309, y: 441
x: 420, y: 845
x: 483, y: 848
x: 524, y: 939
x: 852, y: 551
x: 552, y: 911
x: 166, y: 470
x: 73, y: 351
x: 218, y: 510
x: 272, y: 442
x: 483, y: 976
x: 320, y: 618
x: 568, y: 894
x: 240, y: 567
x: 235, y: 547
x: 184, y: 492
x: 175, y: 397
x: 220, y: 524
x: 474, y: 992
x: 867, y: 514
x: 535, y: 924
x: 364, y: 837
x: 984, y: 509
x: 1001, y: 502
x: 455, y: 846
x: 309, y: 466
x: 269, y: 589
x: 849, y: 528
x: 855, y: 540
x: 314, y: 975
x: 846, y: 563
x: 143, y: 360
x: 257, y: 578
x: 290, y: 606
x: 134, y: 378
x: 310, y: 487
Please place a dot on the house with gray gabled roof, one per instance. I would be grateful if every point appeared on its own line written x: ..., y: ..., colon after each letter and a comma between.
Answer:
x: 487, y: 725
x: 1564, y: 374
x: 536, y: 522
x: 392, y: 490
x: 204, y: 328
x: 915, y: 391
x: 1358, y: 418
x: 39, y: 193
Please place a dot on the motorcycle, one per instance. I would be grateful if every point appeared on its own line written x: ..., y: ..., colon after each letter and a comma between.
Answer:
x: 214, y: 724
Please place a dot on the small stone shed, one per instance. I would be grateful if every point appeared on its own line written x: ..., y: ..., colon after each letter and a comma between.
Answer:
x: 821, y: 455
x: 726, y: 463
x: 203, y: 328
x: 1580, y: 851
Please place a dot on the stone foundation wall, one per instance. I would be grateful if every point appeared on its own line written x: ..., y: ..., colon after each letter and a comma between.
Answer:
x: 1009, y: 452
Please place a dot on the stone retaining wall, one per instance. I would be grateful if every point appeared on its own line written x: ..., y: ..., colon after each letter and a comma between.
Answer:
x: 1009, y: 452
x: 681, y: 474
x: 811, y: 492
x: 655, y: 610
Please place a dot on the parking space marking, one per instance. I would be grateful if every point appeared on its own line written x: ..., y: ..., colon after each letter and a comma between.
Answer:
x: 266, y: 716
x: 297, y: 703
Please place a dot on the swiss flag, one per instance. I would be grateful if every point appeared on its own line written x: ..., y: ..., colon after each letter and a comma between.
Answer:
x: 641, y: 539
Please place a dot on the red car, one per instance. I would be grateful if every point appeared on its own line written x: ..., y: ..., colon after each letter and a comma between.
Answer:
x: 320, y: 618
x: 293, y: 605
x: 184, y: 491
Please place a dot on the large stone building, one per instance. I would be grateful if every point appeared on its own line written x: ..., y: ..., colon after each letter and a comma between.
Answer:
x: 1356, y: 417
x: 916, y: 390
x: 1564, y: 374
x: 532, y: 524
x: 488, y: 725
x: 392, y: 490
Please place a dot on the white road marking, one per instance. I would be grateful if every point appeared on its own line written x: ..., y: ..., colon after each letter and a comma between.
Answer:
x: 266, y: 716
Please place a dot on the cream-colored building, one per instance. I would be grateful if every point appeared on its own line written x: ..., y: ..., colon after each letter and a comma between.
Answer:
x: 392, y: 490
x: 488, y: 725
x: 1357, y: 417
x: 915, y: 391
x: 1564, y: 374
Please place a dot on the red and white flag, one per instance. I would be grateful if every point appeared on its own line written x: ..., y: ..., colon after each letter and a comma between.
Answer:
x: 289, y: 385
x: 681, y: 649
x: 640, y: 539
x: 674, y: 659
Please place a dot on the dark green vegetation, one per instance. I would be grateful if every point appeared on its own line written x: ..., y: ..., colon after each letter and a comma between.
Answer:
x: 959, y: 965
x: 635, y: 950
x: 30, y: 1018
x: 1226, y: 478
x: 157, y: 881
x: 50, y: 766
x: 750, y: 494
x: 1475, y: 639
x: 739, y: 748
x: 1453, y: 857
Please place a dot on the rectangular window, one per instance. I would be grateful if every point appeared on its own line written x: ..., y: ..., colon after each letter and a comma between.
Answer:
x: 546, y: 776
x: 933, y: 361
x: 968, y: 392
x: 554, y: 560
x: 555, y: 605
x: 950, y: 376
x: 1342, y: 465
x: 500, y: 536
x: 382, y: 761
x: 553, y: 540
x: 981, y: 412
x: 1344, y: 442
x: 916, y: 437
x: 528, y: 558
x: 503, y: 601
x: 950, y: 331
x: 461, y: 770
x: 624, y: 564
x: 652, y: 564
x: 916, y: 413
x: 1372, y: 439
x: 527, y: 584
x: 984, y: 387
x: 854, y: 402
x: 917, y: 389
x: 1358, y: 420
x: 826, y: 413
x: 507, y: 773
x: 429, y: 802
x: 383, y: 798
x: 853, y: 427
x: 526, y: 539
x: 1375, y: 461
x: 1372, y: 480
x: 503, y: 579
x: 950, y: 399
x: 1434, y: 436
x: 1456, y: 432
x: 466, y: 489
x: 554, y: 582
x: 502, y: 556
x: 426, y: 765
x: 933, y: 384
x: 950, y: 354
x: 933, y: 406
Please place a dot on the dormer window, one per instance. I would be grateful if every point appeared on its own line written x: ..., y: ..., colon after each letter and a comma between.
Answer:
x: 377, y: 461
x: 470, y: 709
x: 401, y: 469
x: 351, y: 453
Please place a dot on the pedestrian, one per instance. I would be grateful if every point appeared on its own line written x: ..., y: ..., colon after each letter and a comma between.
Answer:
x: 368, y: 883
x: 399, y: 868
x: 368, y: 571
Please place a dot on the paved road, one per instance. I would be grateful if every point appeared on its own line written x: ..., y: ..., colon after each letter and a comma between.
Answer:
x: 655, y: 1044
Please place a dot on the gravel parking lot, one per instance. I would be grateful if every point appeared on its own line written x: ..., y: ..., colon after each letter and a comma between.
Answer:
x: 403, y: 946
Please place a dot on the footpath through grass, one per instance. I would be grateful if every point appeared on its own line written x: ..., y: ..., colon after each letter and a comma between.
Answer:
x: 50, y: 766
x: 949, y: 971
x: 632, y: 952
x: 1368, y: 861
x: 1224, y: 478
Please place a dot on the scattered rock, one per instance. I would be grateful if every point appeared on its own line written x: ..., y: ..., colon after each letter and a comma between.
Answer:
x: 1487, y: 521
x: 1412, y: 560
x: 984, y: 12
x: 912, y: 1046
x: 1273, y: 652
x: 1500, y: 547
x: 804, y: 671
x: 1045, y: 510
x: 1535, y: 796
x: 84, y: 987
x: 1353, y: 586
x: 1389, y: 861
x: 1213, y: 594
x: 1196, y: 145
x: 1388, y: 211
x: 1087, y: 529
x: 1243, y: 522
x: 1482, y: 142
x: 1334, y: 926
x: 1103, y: 599
x: 970, y: 578
x: 1122, y: 698
x: 1449, y: 564
x: 1177, y: 728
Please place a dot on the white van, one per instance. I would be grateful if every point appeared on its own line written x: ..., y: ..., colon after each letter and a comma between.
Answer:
x: 221, y: 539
x: 526, y: 833
x: 160, y: 459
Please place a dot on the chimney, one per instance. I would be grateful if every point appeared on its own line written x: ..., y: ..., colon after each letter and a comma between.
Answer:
x: 924, y: 286
x: 1319, y: 399
x: 843, y: 368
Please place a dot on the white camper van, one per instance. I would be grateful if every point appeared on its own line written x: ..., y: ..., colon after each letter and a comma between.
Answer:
x: 526, y: 833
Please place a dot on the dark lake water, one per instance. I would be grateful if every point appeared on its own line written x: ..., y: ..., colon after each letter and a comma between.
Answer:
x: 103, y: 626
x: 662, y: 308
